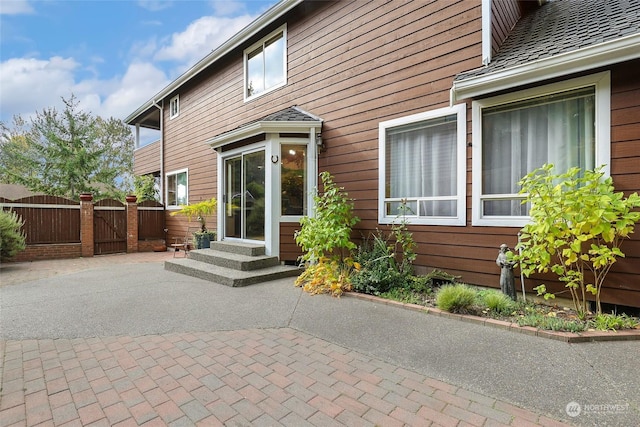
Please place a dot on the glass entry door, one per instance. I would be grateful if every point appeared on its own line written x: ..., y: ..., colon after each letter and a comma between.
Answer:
x: 245, y: 196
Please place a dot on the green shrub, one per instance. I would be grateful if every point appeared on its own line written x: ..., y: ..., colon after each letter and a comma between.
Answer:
x: 402, y: 295
x: 12, y: 238
x: 497, y: 301
x: 458, y: 298
x: 379, y: 271
x: 612, y: 322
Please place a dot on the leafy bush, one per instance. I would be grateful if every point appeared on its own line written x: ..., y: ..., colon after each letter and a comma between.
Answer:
x: 458, y: 298
x: 578, y: 223
x: 324, y: 238
x: 403, y: 295
x: 612, y: 322
x: 497, y: 301
x: 379, y: 272
x: 12, y: 238
x: 439, y: 278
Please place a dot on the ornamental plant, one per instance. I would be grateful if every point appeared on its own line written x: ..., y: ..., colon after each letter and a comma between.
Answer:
x: 198, y: 210
x: 325, y: 239
x: 12, y: 238
x: 578, y: 223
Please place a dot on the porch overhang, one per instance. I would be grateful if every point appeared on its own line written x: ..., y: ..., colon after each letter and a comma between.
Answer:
x: 290, y: 120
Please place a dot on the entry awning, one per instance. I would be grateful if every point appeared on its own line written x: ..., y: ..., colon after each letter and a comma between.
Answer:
x: 291, y: 119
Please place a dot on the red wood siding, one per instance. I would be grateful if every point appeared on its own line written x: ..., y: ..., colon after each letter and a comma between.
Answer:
x: 146, y: 159
x: 504, y: 15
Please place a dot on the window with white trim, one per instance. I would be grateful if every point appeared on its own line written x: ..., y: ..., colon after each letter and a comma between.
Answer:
x: 174, y: 107
x: 265, y: 64
x: 422, y: 165
x: 566, y: 124
x: 177, y: 188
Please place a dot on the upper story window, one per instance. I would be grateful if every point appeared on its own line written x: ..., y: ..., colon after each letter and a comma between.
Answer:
x: 422, y: 164
x: 174, y: 107
x: 567, y: 124
x: 265, y: 64
x: 177, y: 188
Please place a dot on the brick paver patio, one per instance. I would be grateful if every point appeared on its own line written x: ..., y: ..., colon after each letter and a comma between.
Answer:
x: 247, y: 377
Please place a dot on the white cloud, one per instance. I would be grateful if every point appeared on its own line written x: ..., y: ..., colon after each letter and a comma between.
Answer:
x: 30, y: 85
x: 15, y: 7
x: 227, y: 7
x: 201, y: 37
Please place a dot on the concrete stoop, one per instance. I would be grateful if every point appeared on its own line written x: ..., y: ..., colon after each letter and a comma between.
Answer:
x: 231, y: 264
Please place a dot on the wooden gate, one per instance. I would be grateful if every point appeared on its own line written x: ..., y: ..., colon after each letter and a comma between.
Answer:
x: 109, y: 227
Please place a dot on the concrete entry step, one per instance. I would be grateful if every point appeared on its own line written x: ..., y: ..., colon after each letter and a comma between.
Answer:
x: 228, y: 276
x: 232, y: 264
x: 233, y: 260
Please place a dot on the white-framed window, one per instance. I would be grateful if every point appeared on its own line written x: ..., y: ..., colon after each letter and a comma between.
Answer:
x: 565, y: 123
x: 293, y: 180
x: 174, y: 107
x: 422, y: 165
x: 265, y: 64
x: 177, y: 188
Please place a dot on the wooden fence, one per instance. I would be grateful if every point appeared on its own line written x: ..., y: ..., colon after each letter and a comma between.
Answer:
x: 53, y: 227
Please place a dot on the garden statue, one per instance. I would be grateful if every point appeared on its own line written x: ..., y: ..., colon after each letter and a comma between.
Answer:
x: 507, y: 282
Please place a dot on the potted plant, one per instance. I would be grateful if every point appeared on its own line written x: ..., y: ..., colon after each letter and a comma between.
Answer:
x: 203, y: 237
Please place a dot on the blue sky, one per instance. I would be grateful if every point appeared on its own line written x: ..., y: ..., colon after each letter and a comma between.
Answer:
x: 113, y: 55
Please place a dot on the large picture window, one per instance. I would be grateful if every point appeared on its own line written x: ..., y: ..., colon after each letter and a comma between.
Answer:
x: 517, y: 133
x: 422, y: 166
x: 265, y: 64
x: 177, y: 189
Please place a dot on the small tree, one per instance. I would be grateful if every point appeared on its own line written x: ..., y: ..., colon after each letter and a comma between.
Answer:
x: 12, y: 238
x: 577, y: 226
x: 145, y: 188
x: 325, y: 238
x: 198, y: 210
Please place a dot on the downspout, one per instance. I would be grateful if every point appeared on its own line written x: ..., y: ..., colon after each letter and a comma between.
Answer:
x: 155, y: 104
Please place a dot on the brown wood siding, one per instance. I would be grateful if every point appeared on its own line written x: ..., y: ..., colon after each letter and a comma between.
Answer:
x: 504, y: 15
x: 146, y: 159
x: 356, y: 64
x: 289, y: 251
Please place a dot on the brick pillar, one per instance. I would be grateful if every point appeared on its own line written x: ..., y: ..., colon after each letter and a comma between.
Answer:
x: 86, y: 224
x: 132, y: 224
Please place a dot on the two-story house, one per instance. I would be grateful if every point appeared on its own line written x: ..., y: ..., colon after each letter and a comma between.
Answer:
x: 442, y: 104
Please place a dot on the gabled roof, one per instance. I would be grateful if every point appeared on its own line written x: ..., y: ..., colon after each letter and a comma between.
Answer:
x: 291, y: 119
x: 560, y: 37
x: 148, y: 110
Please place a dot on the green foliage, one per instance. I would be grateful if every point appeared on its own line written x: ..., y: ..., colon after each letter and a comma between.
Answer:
x: 403, y: 295
x: 404, y: 238
x: 439, y: 277
x: 578, y: 223
x: 198, y: 210
x: 496, y: 301
x: 328, y: 232
x: 612, y: 322
x: 68, y: 153
x: 144, y: 187
x: 458, y: 298
x: 541, y: 321
x: 12, y: 238
x: 380, y: 271
x: 328, y: 276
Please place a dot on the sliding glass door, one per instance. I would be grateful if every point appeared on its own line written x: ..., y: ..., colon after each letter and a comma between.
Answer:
x: 245, y: 196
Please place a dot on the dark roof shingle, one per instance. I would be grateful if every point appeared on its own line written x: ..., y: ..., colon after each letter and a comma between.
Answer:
x: 563, y: 26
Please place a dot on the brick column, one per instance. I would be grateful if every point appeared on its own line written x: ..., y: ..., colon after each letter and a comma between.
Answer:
x: 86, y: 224
x: 132, y: 224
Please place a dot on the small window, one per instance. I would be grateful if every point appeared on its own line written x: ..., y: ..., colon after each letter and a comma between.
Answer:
x: 293, y: 178
x: 519, y: 132
x: 174, y: 107
x: 265, y: 64
x: 422, y: 166
x: 177, y: 188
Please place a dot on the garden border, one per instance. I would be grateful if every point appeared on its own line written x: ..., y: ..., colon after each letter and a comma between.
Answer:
x: 568, y: 337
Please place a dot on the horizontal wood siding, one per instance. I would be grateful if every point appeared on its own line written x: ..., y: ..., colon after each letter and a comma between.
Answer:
x: 289, y: 251
x: 146, y: 160
x: 355, y: 64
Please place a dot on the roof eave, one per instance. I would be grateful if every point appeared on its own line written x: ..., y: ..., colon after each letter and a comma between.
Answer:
x: 591, y: 57
x: 257, y: 128
x: 238, y: 39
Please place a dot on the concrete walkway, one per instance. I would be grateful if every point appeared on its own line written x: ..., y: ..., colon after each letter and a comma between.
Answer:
x: 116, y: 340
